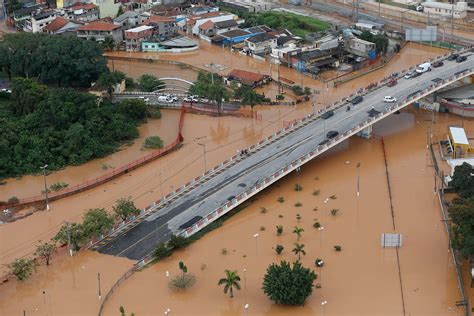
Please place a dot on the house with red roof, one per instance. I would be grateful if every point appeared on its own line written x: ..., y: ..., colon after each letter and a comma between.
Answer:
x: 61, y: 26
x: 100, y: 30
x: 248, y: 78
x: 86, y: 12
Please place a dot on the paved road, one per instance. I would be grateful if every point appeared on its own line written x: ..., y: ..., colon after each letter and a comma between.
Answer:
x: 141, y: 239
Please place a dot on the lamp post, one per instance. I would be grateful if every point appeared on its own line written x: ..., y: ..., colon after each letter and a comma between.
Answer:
x: 45, y: 186
x: 205, y: 164
x: 245, y: 281
x: 256, y: 243
x: 321, y: 237
x: 358, y: 178
x: 98, y: 281
x: 323, y: 304
x: 246, y: 307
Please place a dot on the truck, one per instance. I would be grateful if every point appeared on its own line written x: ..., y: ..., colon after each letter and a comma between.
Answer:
x: 423, y: 68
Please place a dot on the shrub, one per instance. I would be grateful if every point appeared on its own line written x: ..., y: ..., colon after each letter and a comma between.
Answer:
x: 315, y: 208
x: 152, y: 142
x: 333, y: 197
x: 316, y: 224
x: 262, y: 228
x: 334, y: 211
x: 298, y: 217
x: 279, y: 249
x: 13, y: 200
x: 318, y: 285
x: 224, y: 251
x: 319, y: 262
x: 280, y: 216
x: 280, y: 97
x: 281, y: 199
x: 58, y: 186
x: 177, y: 242
x: 316, y: 192
x: 182, y: 281
x: 161, y: 251
x: 338, y: 248
x: 298, y: 187
x: 279, y: 230
x: 263, y: 210
x: 22, y: 268
x: 298, y: 204
x: 155, y: 113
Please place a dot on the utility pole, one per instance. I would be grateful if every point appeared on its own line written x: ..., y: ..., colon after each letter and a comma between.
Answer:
x: 98, y: 280
x: 68, y: 229
x: 45, y: 186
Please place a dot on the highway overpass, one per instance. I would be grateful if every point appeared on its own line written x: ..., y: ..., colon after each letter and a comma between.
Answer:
x: 204, y: 199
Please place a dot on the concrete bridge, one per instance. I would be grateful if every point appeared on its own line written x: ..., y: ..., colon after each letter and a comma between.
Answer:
x: 204, y: 199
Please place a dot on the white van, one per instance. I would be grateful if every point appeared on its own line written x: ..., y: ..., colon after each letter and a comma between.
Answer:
x: 163, y: 98
x: 423, y: 68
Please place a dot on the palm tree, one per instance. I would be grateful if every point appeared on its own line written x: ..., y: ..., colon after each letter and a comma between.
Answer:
x: 231, y: 280
x: 298, y: 231
x: 298, y: 250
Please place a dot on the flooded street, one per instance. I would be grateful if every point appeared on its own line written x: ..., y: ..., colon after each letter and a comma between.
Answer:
x: 363, y: 279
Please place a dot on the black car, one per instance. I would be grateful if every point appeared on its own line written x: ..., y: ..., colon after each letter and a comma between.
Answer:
x: 437, y: 80
x: 357, y: 99
x: 453, y: 57
x: 332, y: 134
x: 327, y: 115
x: 460, y: 59
x: 437, y: 64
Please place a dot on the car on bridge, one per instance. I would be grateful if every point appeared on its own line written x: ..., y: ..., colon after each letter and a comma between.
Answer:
x: 437, y: 64
x: 460, y: 59
x: 327, y: 115
x: 358, y: 99
x: 389, y: 99
x: 191, y: 98
x: 453, y: 57
x: 332, y: 134
x: 146, y: 100
x: 392, y: 82
x: 412, y: 74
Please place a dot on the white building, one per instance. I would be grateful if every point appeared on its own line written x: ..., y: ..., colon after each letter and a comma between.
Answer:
x: 39, y: 21
x: 195, y: 21
x: 457, y: 11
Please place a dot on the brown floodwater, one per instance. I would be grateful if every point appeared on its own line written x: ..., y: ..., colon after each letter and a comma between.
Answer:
x: 361, y: 272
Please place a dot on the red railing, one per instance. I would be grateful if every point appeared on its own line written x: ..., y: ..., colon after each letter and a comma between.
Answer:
x: 108, y: 176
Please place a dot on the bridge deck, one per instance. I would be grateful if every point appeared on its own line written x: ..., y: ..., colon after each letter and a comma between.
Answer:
x: 252, y: 169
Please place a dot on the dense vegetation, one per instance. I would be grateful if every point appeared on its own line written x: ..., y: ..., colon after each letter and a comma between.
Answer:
x: 461, y: 210
x: 59, y: 60
x: 60, y: 127
x: 297, y: 24
x: 210, y: 86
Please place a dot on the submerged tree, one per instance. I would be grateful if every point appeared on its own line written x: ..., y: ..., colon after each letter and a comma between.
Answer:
x: 22, y: 268
x: 45, y: 250
x: 230, y: 281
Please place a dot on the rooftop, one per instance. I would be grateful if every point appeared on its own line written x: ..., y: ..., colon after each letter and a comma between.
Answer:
x: 459, y: 135
x: 99, y: 26
x: 140, y: 28
x: 262, y: 37
x: 246, y: 77
x: 159, y: 19
x: 224, y: 24
x: 206, y: 25
x: 56, y: 24
x: 179, y: 42
x: 80, y: 5
x: 235, y: 33
x: 126, y: 15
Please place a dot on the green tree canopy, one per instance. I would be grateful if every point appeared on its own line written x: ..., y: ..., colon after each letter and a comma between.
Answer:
x: 26, y: 94
x: 108, y: 80
x: 124, y: 207
x: 380, y: 41
x: 288, y: 285
x: 45, y: 250
x: 74, y: 231
x: 96, y: 221
x: 461, y: 212
x: 22, y: 268
x: 463, y: 180
x: 149, y: 83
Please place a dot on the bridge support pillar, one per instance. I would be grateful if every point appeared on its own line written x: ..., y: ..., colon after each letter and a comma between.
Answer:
x: 366, y: 132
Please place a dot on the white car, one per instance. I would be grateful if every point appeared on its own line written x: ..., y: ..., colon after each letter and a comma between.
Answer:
x: 389, y: 99
x: 6, y: 90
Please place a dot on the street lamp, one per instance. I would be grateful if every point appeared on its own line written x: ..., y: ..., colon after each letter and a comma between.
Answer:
x: 358, y: 178
x: 323, y: 304
x: 246, y: 307
x: 45, y: 186
x: 98, y: 281
x: 256, y: 242
x: 321, y: 238
x: 245, y: 281
x: 204, y: 147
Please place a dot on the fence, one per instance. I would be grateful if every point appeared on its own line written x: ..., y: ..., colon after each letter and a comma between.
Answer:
x: 108, y: 176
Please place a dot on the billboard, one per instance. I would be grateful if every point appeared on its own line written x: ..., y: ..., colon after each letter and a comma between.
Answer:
x: 429, y: 34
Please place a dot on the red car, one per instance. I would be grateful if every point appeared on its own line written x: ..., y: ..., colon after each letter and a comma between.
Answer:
x: 392, y: 82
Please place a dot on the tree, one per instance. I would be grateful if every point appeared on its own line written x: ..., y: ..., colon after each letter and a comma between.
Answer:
x: 298, y: 231
x: 184, y: 280
x: 288, y: 285
x: 109, y: 43
x: 73, y: 233
x: 248, y: 96
x: 152, y: 142
x: 230, y: 281
x: 22, y: 268
x: 177, y: 242
x: 124, y: 207
x: 27, y: 94
x: 298, y: 250
x: 161, y: 251
x: 307, y: 90
x: 380, y: 41
x: 119, y: 11
x: 45, y: 250
x: 149, y: 83
x: 279, y: 229
x: 96, y: 221
x: 463, y: 180
x: 108, y: 80
x: 279, y: 249
x: 461, y: 212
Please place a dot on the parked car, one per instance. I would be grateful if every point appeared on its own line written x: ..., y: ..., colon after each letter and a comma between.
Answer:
x: 389, y: 99
x: 332, y: 134
x: 144, y: 99
x: 419, y: 8
x: 163, y: 98
x: 453, y: 57
x: 460, y: 59
x: 358, y: 99
x: 204, y: 100
x: 392, y: 82
x: 437, y: 64
x: 411, y: 74
x: 327, y: 115
x: 191, y: 98
x: 6, y: 90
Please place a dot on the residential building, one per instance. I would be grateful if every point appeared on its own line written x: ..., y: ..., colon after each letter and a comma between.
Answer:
x: 196, y: 20
x: 164, y: 27
x: 457, y: 10
x: 21, y: 15
x: 107, y: 8
x: 85, y: 12
x: 127, y: 20
x: 286, y: 55
x: 38, y: 21
x: 243, y: 77
x: 177, y: 44
x: 134, y: 37
x: 261, y: 43
x: 99, y: 31
x: 225, y: 26
x: 231, y: 37
x: 197, y: 10
x: 247, y: 6
x: 61, y: 26
x: 360, y: 47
